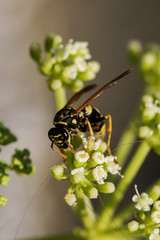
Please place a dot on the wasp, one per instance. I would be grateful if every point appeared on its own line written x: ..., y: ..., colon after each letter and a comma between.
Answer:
x: 69, y: 121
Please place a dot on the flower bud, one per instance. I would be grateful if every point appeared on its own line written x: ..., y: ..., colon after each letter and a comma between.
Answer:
x: 54, y: 84
x: 70, y: 199
x: 35, y: 52
x: 148, y: 114
x: 147, y: 99
x: 107, y: 187
x: 69, y: 73
x: 94, y: 66
x: 133, y: 226
x: 87, y: 75
x: 52, y: 41
x: 90, y: 192
x: 57, y: 171
x: 145, y: 132
x: 76, y: 85
x: 134, y: 50
x: 47, y: 66
x: 148, y: 61
x: 58, y: 68
x: 3, y: 200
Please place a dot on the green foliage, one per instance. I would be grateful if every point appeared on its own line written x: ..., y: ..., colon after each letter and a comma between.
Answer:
x: 20, y: 163
x: 6, y: 136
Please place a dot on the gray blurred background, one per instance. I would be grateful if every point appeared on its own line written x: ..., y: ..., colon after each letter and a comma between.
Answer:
x: 28, y: 107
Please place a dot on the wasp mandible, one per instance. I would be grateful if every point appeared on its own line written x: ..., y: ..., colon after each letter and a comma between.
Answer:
x: 69, y: 121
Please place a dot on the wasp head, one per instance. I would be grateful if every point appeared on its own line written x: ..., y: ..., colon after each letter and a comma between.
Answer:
x: 59, y: 136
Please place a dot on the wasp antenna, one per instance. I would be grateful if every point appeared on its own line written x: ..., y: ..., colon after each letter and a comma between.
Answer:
x: 101, y: 90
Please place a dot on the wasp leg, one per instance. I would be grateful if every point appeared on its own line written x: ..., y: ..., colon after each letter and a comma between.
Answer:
x: 91, y: 135
x: 69, y: 145
x: 61, y: 154
x: 109, y: 130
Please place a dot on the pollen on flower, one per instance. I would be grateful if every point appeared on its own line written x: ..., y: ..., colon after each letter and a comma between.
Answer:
x: 133, y: 226
x: 99, y: 174
x: 81, y: 156
x: 70, y: 199
x: 98, y: 157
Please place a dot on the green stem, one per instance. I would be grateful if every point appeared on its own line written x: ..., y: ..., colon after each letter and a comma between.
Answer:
x: 126, y: 143
x: 60, y: 95
x: 129, y: 175
x: 85, y: 209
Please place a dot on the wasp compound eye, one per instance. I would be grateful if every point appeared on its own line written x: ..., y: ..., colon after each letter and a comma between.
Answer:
x: 51, y: 133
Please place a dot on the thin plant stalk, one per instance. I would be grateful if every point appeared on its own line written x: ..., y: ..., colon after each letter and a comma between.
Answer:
x: 85, y: 210
x: 129, y: 175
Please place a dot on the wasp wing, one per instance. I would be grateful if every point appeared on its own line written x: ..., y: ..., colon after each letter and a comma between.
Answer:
x: 101, y: 90
x: 76, y: 96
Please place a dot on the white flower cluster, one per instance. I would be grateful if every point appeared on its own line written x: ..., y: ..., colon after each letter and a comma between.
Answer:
x: 150, y: 116
x: 143, y: 201
x: 148, y: 211
x: 87, y: 171
x: 67, y: 64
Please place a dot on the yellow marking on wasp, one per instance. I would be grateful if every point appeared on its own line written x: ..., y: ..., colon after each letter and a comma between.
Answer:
x: 64, y: 123
x: 73, y: 114
x: 57, y: 135
x: 74, y: 121
x: 88, y: 109
x: 81, y: 114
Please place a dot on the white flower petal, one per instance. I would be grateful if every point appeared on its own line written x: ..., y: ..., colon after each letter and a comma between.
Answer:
x: 138, y: 206
x: 76, y: 170
x: 135, y: 198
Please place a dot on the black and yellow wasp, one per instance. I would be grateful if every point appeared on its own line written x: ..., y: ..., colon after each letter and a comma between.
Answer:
x: 69, y: 121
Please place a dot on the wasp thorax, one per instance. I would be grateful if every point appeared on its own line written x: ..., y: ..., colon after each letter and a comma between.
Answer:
x: 64, y: 112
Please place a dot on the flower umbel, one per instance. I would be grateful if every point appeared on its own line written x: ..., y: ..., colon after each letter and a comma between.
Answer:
x: 68, y: 64
x: 87, y: 173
